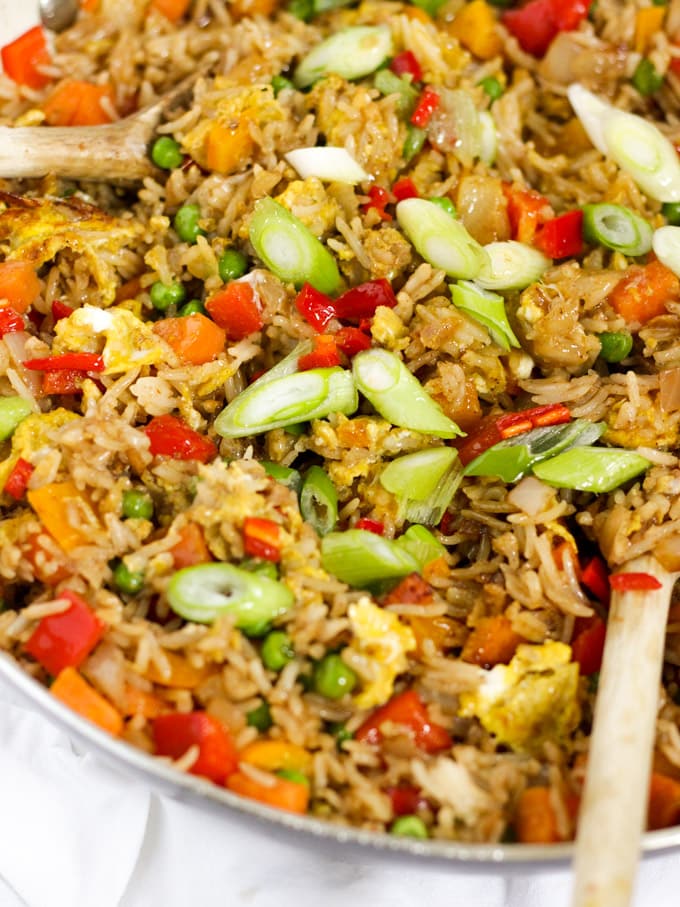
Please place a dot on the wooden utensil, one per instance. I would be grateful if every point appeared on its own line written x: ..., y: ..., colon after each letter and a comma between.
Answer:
x: 614, y: 804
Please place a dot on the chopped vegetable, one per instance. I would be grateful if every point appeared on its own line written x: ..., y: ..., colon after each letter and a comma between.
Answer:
x: 498, y: 428
x: 262, y: 538
x: 13, y: 411
x: 492, y: 641
x: 643, y: 292
x: 166, y: 153
x: 537, y: 22
x: 126, y: 581
x: 81, y: 362
x: 646, y: 79
x: 596, y: 469
x: 406, y: 64
x: 186, y: 223
x: 362, y: 300
x: 203, y: 593
x: 535, y: 819
x: 615, y: 345
x: 24, y: 58
x: 75, y: 692
x: 173, y: 10
x: 441, y: 240
x: 426, y: 105
x: 324, y: 354
x: 352, y: 341
x: 277, y: 650
x: 475, y: 27
x: 511, y: 265
x: 492, y: 87
x: 595, y: 577
x: 236, y: 308
x: 351, y: 53
x: 260, y: 718
x: 663, y: 809
x: 360, y: 558
x: 419, y: 542
x: 409, y: 826
x: 289, y: 477
x: 328, y: 163
x: 17, y: 481
x: 66, y: 639
x: 319, y: 500
x: 171, y: 437
x: 229, y: 147
x: 10, y: 321
x: 79, y: 103
x: 277, y: 755
x: 194, y: 338
x: 136, y: 505
x: 164, y: 295
x: 54, y: 504
x: 182, y: 675
x: 666, y: 245
x: 527, y: 211
x: 332, y: 678
x: 588, y: 646
x: 19, y: 284
x: 617, y: 228
x: 487, y: 308
x: 232, y: 265
x: 633, y: 582
x: 289, y: 249
x: 191, y: 548
x: 648, y: 21
x: 406, y: 710
x: 217, y: 756
x: 280, y: 793
x: 414, y: 142
x: 561, y: 237
x: 315, y: 307
x: 424, y: 483
x: 388, y: 83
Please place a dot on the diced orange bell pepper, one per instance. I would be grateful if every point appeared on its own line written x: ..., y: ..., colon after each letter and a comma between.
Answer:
x: 475, y: 27
x: 535, y: 820
x: 73, y: 690
x: 273, y: 755
x: 78, y: 103
x: 19, y: 284
x: 183, y: 675
x: 281, y: 793
x: 195, y: 338
x: 492, y: 642
x: 191, y: 548
x: 228, y: 148
x: 139, y: 702
x: 173, y: 10
x: 664, y: 802
x: 51, y: 503
x: 643, y: 292
x: 648, y: 21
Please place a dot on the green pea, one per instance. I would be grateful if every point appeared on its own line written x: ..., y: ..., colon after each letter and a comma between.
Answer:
x: 13, y: 411
x: 409, y: 827
x: 333, y: 678
x: 260, y: 717
x: 492, y: 87
x: 193, y: 307
x: 166, y: 153
x: 277, y: 650
x: 671, y: 211
x: 279, y: 83
x: 445, y: 204
x: 232, y: 265
x: 127, y: 581
x: 186, y: 223
x: 137, y: 505
x: 615, y: 345
x: 292, y: 774
x: 163, y: 295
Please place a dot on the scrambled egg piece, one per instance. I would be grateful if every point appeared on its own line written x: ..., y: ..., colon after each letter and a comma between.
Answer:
x: 652, y: 428
x: 31, y: 435
x: 310, y: 203
x: 378, y: 651
x: 529, y: 701
x: 128, y: 344
x: 36, y: 230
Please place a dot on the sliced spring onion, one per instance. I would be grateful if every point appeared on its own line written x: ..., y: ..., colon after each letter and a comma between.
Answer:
x: 617, y: 228
x: 636, y: 145
x: 515, y: 457
x: 208, y: 591
x: 511, y: 265
x: 351, y: 53
x: 414, y: 142
x: 422, y: 545
x: 286, y: 401
x: 13, y: 411
x: 328, y: 163
x: 388, y: 82
x: 423, y: 483
x: 488, y: 138
x: 666, y: 245
x: 289, y: 249
x: 487, y: 308
x: 360, y: 558
x: 441, y: 240
x: 319, y: 500
x: 398, y: 395
x: 291, y: 478
x: 596, y: 469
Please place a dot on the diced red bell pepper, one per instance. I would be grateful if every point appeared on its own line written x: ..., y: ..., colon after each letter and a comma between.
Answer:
x: 63, y: 382
x: 236, y: 309
x: 380, y: 198
x: 426, y: 105
x: 262, y: 538
x: 79, y: 362
x: 493, y: 429
x: 587, y: 647
x: 374, y: 526
x: 634, y: 582
x: 171, y: 437
x: 352, y: 341
x: 10, y: 321
x: 362, y: 301
x: 411, y: 590
x: 65, y: 640
x: 527, y: 211
x: 406, y: 800
x: 406, y: 710
x: 17, y: 480
x: 61, y: 310
x: 562, y: 236
x: 404, y: 188
x: 22, y: 58
x: 536, y: 24
x: 406, y: 64
x: 324, y: 355
x: 217, y: 754
x: 315, y: 307
x: 595, y: 577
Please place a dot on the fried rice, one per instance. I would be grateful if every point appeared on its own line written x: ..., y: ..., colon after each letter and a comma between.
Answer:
x: 367, y: 703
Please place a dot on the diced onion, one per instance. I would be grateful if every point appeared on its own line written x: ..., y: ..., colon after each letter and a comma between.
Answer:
x: 511, y: 265
x: 669, y: 389
x: 666, y: 246
x: 530, y: 496
x: 488, y: 138
x: 327, y: 163
x: 351, y: 53
x: 441, y: 240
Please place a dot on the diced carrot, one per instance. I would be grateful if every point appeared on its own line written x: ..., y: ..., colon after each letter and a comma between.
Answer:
x: 74, y: 691
x: 191, y: 548
x: 183, y: 675
x: 240, y: 8
x: 51, y: 503
x: 23, y: 58
x: 129, y: 290
x: 412, y: 590
x: 492, y: 642
x: 664, y: 802
x: 228, y: 148
x: 535, y: 820
x: 139, y: 702
x: 19, y: 284
x: 195, y: 338
x: 282, y: 794
x: 171, y: 9
x: 475, y: 27
x: 273, y: 755
x: 648, y: 21
x: 236, y: 308
x: 643, y: 293
x: 78, y: 103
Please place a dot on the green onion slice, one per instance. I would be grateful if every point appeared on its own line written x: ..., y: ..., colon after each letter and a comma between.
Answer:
x: 206, y: 592
x: 288, y: 400
x: 423, y: 483
x: 287, y: 476
x: 360, y: 558
x: 441, y: 240
x: 487, y: 308
x: 13, y: 411
x: 319, y: 500
x: 422, y: 545
x: 388, y: 82
x: 289, y: 249
x: 351, y: 53
x: 515, y: 457
x: 666, y: 245
x: 511, y: 265
x: 596, y: 469
x: 398, y: 395
x: 617, y: 228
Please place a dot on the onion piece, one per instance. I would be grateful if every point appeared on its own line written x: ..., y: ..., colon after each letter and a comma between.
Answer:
x: 327, y: 163
x: 666, y: 246
x: 32, y: 381
x: 511, y: 265
x: 531, y: 496
x: 669, y: 387
x: 488, y: 138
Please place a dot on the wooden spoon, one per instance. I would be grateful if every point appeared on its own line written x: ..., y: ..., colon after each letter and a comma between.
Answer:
x: 614, y: 805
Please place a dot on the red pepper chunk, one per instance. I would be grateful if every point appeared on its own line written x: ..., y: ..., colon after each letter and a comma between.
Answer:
x: 63, y: 382
x: 426, y: 106
x: 362, y: 301
x: 404, y: 188
x: 217, y: 754
x: 235, y: 308
x: 527, y: 211
x: 79, y: 362
x: 22, y: 57
x: 587, y: 647
x: 352, y: 341
x: 379, y: 199
x: 261, y: 538
x: 562, y: 236
x: 406, y: 64
x: 17, y: 480
x: 10, y: 321
x: 634, y: 582
x: 60, y: 310
x: 537, y: 23
x: 374, y: 526
x: 406, y: 710
x: 315, y: 307
x: 595, y: 577
x: 65, y: 640
x: 171, y: 437
x: 406, y: 800
x: 324, y: 355
x: 492, y: 429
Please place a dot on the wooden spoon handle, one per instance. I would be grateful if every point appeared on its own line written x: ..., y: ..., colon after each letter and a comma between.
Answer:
x: 614, y: 805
